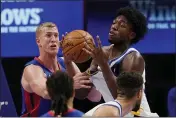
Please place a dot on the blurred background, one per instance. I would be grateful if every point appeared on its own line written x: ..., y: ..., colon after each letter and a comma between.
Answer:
x: 20, y: 19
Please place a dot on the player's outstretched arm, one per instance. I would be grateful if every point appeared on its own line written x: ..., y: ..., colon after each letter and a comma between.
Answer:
x: 34, y: 77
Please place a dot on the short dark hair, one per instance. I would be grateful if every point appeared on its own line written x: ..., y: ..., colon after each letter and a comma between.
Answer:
x: 60, y: 89
x: 128, y: 84
x: 136, y: 19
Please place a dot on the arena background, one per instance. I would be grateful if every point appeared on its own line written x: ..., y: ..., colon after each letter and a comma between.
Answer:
x: 19, y: 20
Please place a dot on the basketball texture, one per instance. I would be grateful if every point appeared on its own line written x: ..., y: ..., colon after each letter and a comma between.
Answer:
x: 73, y: 44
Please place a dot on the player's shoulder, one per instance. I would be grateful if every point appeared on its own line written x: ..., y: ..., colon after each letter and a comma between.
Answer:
x: 73, y: 113
x: 79, y: 112
x: 32, y: 67
x: 48, y: 114
x: 32, y: 70
x: 107, y: 111
x: 172, y: 92
x: 136, y: 55
x: 133, y: 61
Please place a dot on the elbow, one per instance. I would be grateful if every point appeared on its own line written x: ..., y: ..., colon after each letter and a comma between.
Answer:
x: 45, y: 95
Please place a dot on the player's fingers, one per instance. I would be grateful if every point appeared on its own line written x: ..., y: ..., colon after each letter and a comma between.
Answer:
x: 85, y: 86
x: 63, y: 36
x: 79, y: 74
x: 88, y: 52
x: 88, y: 47
x: 61, y: 41
x: 66, y: 33
x: 84, y: 77
x: 99, y: 42
x: 85, y: 82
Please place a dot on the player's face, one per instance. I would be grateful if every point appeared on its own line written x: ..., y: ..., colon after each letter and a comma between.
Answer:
x: 49, y: 40
x: 138, y: 101
x: 120, y: 31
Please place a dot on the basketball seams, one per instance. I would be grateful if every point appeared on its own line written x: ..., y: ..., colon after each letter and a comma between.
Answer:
x: 80, y: 33
x: 74, y: 42
x: 79, y: 55
x: 77, y: 45
x: 74, y: 47
x: 82, y: 36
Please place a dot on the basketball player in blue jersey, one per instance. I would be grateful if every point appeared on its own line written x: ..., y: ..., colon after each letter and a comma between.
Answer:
x: 129, y: 94
x: 128, y: 27
x: 61, y: 91
x: 36, y: 100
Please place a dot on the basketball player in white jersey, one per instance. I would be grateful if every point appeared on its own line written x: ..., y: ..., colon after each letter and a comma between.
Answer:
x: 129, y: 94
x: 128, y: 28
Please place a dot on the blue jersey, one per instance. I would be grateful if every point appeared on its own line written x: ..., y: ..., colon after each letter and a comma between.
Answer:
x: 34, y: 105
x: 69, y: 113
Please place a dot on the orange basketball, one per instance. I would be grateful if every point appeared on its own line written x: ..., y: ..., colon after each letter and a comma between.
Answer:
x: 73, y: 44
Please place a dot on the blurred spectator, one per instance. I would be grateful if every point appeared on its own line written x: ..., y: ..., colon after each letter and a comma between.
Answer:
x: 172, y: 102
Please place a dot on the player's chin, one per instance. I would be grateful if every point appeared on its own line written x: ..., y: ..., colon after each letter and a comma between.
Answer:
x: 110, y: 40
x: 53, y: 52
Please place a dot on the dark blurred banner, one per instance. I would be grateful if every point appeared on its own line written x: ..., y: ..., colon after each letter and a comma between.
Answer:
x: 7, y: 107
x: 161, y: 16
x: 20, y: 19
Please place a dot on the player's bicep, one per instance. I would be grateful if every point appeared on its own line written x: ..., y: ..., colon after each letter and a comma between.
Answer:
x: 35, y: 78
x: 133, y: 62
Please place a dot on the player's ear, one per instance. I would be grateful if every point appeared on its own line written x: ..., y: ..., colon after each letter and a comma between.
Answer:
x: 38, y: 42
x: 132, y: 35
x: 139, y: 94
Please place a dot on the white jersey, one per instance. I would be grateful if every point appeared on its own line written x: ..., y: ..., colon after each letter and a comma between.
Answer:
x: 113, y: 103
x: 100, y: 83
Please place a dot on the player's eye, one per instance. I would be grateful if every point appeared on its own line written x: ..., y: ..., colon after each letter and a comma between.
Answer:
x: 48, y: 35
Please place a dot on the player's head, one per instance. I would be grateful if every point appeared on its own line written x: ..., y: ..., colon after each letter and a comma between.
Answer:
x: 61, y: 91
x: 129, y: 26
x: 47, y: 38
x: 129, y: 87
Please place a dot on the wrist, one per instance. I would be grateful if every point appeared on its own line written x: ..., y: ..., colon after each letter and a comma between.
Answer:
x: 67, y: 62
x: 104, y: 65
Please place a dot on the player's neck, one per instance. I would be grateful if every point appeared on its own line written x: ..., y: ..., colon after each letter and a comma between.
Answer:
x: 49, y: 61
x: 118, y: 49
x: 121, y: 47
x: 127, y: 105
x: 70, y: 103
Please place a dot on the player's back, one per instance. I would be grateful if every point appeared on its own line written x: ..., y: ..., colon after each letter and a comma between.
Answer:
x: 70, y: 113
x: 34, y: 105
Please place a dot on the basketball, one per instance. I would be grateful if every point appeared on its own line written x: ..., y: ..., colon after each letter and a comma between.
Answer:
x: 73, y: 44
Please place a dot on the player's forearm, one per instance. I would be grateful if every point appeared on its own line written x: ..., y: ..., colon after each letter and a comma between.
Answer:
x: 40, y: 89
x: 71, y: 68
x: 45, y: 95
x: 110, y: 79
x: 42, y: 92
